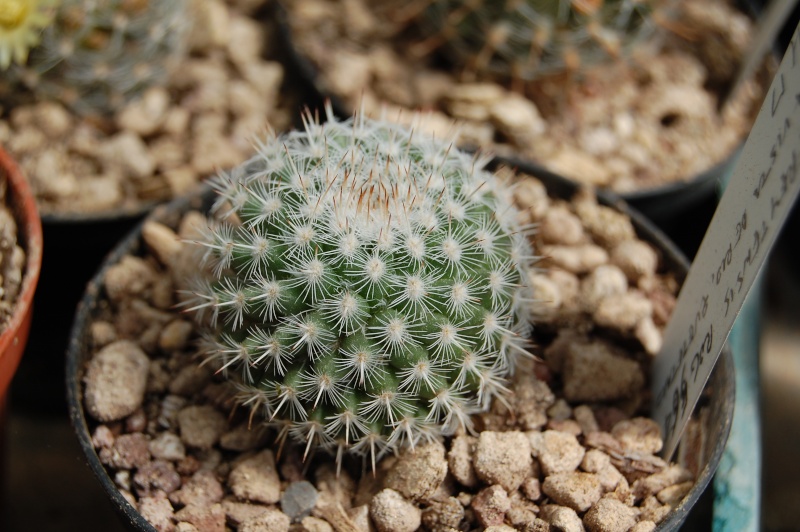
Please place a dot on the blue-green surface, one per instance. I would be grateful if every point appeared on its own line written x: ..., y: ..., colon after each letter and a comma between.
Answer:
x: 737, y: 484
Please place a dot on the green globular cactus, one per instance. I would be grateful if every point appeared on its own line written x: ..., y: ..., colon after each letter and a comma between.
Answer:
x: 525, y: 39
x: 367, y: 288
x: 97, y: 54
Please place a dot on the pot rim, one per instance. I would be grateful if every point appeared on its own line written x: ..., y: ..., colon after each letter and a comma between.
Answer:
x: 29, y: 225
x: 138, y: 210
x: 674, y: 260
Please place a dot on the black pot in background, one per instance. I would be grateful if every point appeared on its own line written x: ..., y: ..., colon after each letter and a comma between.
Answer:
x: 695, y: 510
x: 681, y: 209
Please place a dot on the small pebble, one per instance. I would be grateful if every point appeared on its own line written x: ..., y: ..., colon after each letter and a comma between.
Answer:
x: 440, y: 515
x: 270, y: 520
x: 102, y: 437
x: 652, y: 484
x: 672, y: 495
x: 128, y: 152
x: 562, y: 518
x: 610, y: 515
x: 561, y: 226
x: 314, y: 524
x: 116, y: 379
x: 202, y: 489
x: 418, y: 472
x: 640, y: 434
x: 594, y: 373
x: 189, y: 380
x: 560, y: 410
x: 392, y: 513
x: 129, y: 277
x: 623, y: 311
x: 606, y: 280
x: 103, y: 333
x: 490, y: 505
x: 459, y: 459
x: 175, y: 336
x: 128, y: 452
x: 359, y: 516
x: 255, y: 479
x: 635, y: 258
x: 643, y: 526
x: 157, y: 511
x: 208, y: 518
x: 499, y: 528
x: 503, y: 458
x: 576, y: 490
x: 156, y: 475
x: 243, y: 437
x: 576, y: 259
x: 298, y: 500
x: 146, y: 114
x: 585, y: 418
x: 557, y: 452
x: 201, y: 426
x: 237, y: 513
x: 531, y: 488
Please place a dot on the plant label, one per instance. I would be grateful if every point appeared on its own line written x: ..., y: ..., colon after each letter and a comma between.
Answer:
x: 751, y: 212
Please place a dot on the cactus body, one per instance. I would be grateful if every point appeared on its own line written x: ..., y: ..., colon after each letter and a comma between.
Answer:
x: 368, y: 285
x: 529, y: 38
x: 97, y: 54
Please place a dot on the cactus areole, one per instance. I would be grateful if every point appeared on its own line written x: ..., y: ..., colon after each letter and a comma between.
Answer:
x: 367, y: 286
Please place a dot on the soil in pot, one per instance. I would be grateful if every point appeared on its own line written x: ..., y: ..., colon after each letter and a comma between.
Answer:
x: 20, y: 260
x: 162, y: 143
x: 628, y: 126
x: 564, y: 448
x: 12, y: 265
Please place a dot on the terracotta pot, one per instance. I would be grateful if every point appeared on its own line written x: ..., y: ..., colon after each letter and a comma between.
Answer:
x: 13, y: 339
x: 700, y: 451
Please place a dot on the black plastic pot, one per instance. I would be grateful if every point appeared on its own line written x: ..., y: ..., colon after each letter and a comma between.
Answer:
x: 705, y: 451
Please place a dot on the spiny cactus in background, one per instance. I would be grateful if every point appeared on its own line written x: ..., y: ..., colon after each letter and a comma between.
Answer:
x: 97, y: 54
x: 524, y: 39
x: 21, y: 23
x: 368, y: 287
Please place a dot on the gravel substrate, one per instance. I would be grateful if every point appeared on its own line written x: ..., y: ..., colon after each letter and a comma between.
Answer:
x: 628, y: 126
x: 12, y: 257
x: 569, y: 450
x: 161, y: 144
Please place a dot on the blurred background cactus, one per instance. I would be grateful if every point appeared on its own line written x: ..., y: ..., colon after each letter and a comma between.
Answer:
x: 525, y: 39
x: 367, y: 285
x: 97, y: 54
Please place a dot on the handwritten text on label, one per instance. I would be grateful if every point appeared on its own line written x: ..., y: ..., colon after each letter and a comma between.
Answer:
x: 750, y: 214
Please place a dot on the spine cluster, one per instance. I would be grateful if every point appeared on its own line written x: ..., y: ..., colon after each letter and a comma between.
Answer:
x: 367, y: 285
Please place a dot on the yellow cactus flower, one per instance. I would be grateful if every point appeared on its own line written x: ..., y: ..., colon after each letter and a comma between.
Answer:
x: 21, y: 23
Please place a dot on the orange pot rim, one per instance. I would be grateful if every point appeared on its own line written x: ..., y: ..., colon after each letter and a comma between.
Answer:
x: 30, y: 228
